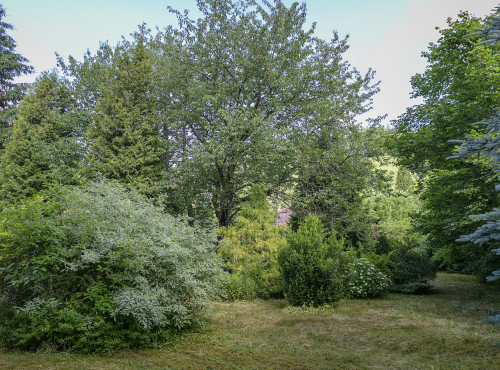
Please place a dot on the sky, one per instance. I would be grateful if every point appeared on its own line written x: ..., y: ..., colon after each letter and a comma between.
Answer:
x: 387, y: 36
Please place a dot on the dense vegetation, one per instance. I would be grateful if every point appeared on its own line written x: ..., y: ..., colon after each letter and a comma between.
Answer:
x: 144, y: 182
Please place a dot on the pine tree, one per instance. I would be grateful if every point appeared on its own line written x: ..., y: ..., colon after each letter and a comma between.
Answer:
x: 124, y: 141
x: 12, y: 65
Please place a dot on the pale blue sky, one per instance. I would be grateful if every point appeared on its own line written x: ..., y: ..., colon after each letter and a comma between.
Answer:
x: 386, y: 35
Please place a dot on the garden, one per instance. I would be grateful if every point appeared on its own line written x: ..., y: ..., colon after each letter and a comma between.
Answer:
x: 142, y: 189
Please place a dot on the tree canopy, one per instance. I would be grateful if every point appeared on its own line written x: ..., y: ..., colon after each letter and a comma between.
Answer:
x: 458, y: 88
x: 12, y: 65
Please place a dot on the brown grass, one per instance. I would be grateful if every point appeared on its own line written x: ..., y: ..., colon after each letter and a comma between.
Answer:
x: 442, y: 330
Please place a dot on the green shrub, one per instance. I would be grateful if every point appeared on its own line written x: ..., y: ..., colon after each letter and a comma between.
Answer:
x: 381, y: 262
x: 312, y: 267
x: 250, y: 248
x: 411, y: 272
x: 365, y: 280
x: 101, y: 268
x: 236, y: 288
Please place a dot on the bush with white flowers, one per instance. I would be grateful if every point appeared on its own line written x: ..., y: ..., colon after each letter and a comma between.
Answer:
x: 365, y: 280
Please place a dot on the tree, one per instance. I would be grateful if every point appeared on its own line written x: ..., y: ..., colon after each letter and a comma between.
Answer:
x: 44, y: 145
x: 458, y: 88
x: 330, y: 183
x: 487, y: 145
x: 448, y: 197
x: 392, y: 208
x: 124, y: 140
x: 12, y: 65
x: 250, y: 246
x: 247, y: 92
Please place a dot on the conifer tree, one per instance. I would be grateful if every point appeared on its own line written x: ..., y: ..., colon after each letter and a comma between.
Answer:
x: 44, y: 143
x: 12, y: 65
x: 124, y: 141
x: 250, y: 246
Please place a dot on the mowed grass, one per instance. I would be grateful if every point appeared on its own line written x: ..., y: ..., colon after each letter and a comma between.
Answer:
x: 442, y: 330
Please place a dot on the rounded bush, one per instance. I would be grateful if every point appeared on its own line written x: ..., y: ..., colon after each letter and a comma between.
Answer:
x: 98, y: 269
x: 312, y: 267
x: 411, y: 271
x: 365, y: 280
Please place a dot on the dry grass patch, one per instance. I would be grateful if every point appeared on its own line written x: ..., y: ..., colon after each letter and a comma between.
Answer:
x: 442, y: 330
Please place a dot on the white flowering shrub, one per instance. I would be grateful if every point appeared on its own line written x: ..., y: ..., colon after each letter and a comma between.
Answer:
x: 364, y: 280
x: 99, y: 269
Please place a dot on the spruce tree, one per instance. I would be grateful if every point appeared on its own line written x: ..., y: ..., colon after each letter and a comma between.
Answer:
x: 124, y: 139
x: 12, y: 65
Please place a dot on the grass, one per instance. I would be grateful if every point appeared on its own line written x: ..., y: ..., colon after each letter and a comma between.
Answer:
x: 442, y: 330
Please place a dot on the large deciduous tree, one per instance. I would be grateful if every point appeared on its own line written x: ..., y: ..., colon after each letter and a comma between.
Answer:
x: 12, y: 65
x: 248, y: 93
x: 458, y: 88
x: 489, y: 146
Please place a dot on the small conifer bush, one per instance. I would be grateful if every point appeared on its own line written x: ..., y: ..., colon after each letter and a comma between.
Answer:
x: 411, y: 272
x: 312, y: 266
x: 249, y: 249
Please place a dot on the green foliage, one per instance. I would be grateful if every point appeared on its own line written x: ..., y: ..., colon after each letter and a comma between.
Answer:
x: 49, y: 325
x: 411, y: 272
x: 312, y: 267
x: 124, y: 139
x: 458, y: 88
x: 12, y: 65
x: 448, y: 196
x: 381, y: 261
x: 365, y: 280
x: 391, y: 208
x: 487, y: 146
x: 383, y: 245
x: 392, y: 215
x: 239, y: 288
x: 248, y: 93
x: 44, y: 147
x: 330, y: 185
x: 102, y: 264
x: 250, y: 248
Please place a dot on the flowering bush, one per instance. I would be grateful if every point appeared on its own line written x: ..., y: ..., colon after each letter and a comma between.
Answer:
x: 365, y: 280
x: 100, y: 269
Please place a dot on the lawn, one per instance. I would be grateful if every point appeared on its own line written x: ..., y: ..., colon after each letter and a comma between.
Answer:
x: 442, y: 330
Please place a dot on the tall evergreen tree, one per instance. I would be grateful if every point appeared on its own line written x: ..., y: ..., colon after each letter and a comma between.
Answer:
x: 12, y: 65
x: 44, y: 144
x: 124, y: 139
